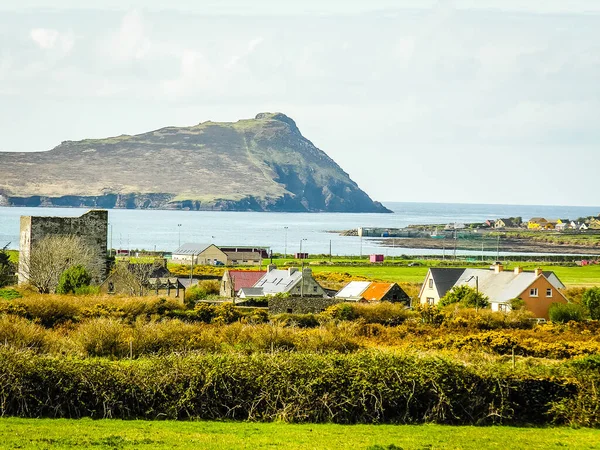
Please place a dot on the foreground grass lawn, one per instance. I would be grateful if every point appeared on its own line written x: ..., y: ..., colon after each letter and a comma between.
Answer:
x: 114, y: 434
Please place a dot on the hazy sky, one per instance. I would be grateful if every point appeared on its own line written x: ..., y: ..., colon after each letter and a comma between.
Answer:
x: 445, y: 101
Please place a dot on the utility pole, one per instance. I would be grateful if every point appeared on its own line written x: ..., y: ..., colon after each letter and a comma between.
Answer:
x: 329, y: 250
x: 179, y: 228
x: 285, y: 247
x: 498, y: 248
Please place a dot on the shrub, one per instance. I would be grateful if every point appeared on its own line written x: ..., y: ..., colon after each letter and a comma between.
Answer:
x: 384, y: 313
x: 73, y: 278
x: 202, y: 290
x: 204, y: 312
x: 591, y: 300
x: 340, y: 311
x: 226, y: 313
x: 22, y: 333
x: 10, y: 294
x: 465, y: 296
x: 566, y: 312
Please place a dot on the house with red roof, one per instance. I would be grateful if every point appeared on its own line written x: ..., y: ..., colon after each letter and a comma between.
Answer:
x: 234, y: 280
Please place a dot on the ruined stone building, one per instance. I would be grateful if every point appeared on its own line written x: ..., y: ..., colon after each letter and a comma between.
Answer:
x: 92, y: 227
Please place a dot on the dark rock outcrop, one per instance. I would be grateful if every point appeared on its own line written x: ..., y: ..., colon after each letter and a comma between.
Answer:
x: 261, y: 164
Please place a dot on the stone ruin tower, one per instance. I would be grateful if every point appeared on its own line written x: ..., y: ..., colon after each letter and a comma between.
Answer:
x: 92, y: 227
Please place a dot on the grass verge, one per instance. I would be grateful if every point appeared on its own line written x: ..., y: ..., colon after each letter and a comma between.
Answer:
x: 115, y: 434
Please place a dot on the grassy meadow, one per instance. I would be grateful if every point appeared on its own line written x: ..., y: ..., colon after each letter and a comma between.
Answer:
x: 116, y: 434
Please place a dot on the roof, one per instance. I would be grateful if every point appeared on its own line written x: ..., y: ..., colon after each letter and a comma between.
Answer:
x: 538, y: 220
x: 243, y: 255
x: 277, y: 280
x: 251, y: 292
x: 245, y: 278
x: 504, y: 286
x: 444, y: 278
x: 191, y: 249
x: 353, y: 289
x: 164, y: 282
x: 507, y: 222
x: 376, y: 291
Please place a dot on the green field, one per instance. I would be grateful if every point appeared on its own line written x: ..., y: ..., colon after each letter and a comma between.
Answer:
x: 113, y: 434
x: 570, y: 276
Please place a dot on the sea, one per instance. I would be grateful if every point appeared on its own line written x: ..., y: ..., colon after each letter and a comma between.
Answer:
x: 166, y: 230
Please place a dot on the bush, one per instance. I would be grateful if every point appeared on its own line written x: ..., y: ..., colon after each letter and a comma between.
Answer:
x: 202, y: 290
x: 465, y: 296
x: 566, y: 312
x: 340, y: 388
x: 591, y: 300
x: 10, y: 294
x: 72, y: 279
x: 341, y: 311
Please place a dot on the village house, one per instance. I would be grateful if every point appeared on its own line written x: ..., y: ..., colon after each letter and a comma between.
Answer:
x: 143, y: 279
x: 290, y: 281
x: 234, y: 280
x: 504, y: 223
x: 538, y: 289
x: 367, y: 292
x: 210, y: 254
x: 537, y: 223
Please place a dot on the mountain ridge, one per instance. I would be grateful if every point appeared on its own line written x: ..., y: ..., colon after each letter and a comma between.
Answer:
x: 260, y: 164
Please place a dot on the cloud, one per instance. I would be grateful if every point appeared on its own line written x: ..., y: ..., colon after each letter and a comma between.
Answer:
x: 250, y: 48
x: 51, y: 39
x: 130, y: 41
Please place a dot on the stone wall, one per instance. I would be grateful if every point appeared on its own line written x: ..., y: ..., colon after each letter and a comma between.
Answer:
x: 92, y: 227
x: 300, y: 305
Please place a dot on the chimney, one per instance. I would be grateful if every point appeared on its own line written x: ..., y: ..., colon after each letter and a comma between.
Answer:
x: 538, y: 272
x: 518, y: 270
x: 292, y: 270
x: 271, y: 267
x: 307, y: 271
x: 498, y: 268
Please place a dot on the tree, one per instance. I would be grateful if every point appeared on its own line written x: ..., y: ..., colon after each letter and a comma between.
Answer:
x: 7, y: 268
x: 134, y: 278
x: 465, y: 296
x: 73, y: 278
x: 591, y: 300
x: 53, y: 255
x: 566, y: 312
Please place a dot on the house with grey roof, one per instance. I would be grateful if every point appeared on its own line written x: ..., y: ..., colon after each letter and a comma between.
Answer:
x: 538, y: 289
x: 292, y: 281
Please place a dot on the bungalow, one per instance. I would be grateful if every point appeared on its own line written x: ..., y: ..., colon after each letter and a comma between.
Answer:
x: 210, y: 254
x: 366, y: 291
x: 538, y: 289
x: 537, y: 223
x: 504, y: 223
x: 143, y: 279
x: 289, y: 281
x: 234, y: 280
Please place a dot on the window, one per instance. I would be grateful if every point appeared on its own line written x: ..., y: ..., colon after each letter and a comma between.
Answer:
x: 549, y: 292
x: 290, y: 311
x: 431, y: 283
x: 430, y: 300
x: 533, y: 292
x: 314, y: 289
x: 503, y: 307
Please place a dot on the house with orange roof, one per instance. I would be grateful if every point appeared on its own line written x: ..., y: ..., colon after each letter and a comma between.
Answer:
x: 365, y: 291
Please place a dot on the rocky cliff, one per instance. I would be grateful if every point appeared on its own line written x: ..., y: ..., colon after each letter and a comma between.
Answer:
x: 261, y: 164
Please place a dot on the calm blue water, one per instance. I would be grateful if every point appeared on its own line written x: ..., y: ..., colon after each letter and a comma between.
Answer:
x: 143, y: 229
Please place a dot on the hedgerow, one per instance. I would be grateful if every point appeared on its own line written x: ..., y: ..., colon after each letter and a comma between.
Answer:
x: 364, y: 387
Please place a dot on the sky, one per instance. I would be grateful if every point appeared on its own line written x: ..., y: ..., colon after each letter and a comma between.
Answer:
x: 461, y: 101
